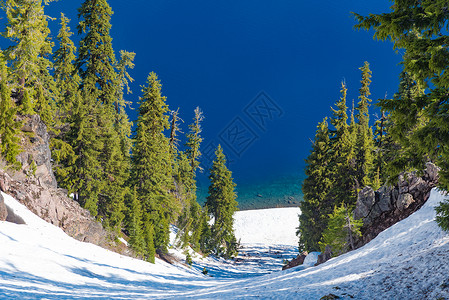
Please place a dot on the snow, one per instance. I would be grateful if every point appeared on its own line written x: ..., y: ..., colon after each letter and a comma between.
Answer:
x: 406, y: 261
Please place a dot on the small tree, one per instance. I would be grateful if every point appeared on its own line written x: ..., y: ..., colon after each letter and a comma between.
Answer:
x: 341, y: 231
x: 222, y: 205
x: 9, y: 127
x: 443, y: 215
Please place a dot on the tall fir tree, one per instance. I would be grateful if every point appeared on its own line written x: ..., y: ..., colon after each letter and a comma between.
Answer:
x: 315, y: 188
x: 27, y: 29
x: 135, y: 225
x: 152, y: 172
x: 342, y: 151
x: 190, y: 220
x: 364, y: 143
x: 194, y: 140
x: 221, y: 203
x: 420, y: 28
x: 101, y: 90
x: 401, y: 144
x: 67, y: 81
x: 9, y: 127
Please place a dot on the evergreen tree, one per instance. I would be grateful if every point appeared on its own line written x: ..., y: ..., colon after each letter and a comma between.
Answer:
x: 420, y: 28
x: 222, y: 205
x: 341, y: 231
x: 136, y: 234
x: 9, y: 127
x: 188, y: 163
x: 27, y: 29
x: 102, y: 92
x: 67, y: 81
x: 342, y: 156
x: 148, y: 234
x: 152, y: 173
x: 312, y: 220
x: 364, y: 143
x: 194, y: 140
x: 401, y: 145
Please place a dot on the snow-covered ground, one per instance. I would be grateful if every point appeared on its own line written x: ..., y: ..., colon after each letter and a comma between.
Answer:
x: 407, y: 261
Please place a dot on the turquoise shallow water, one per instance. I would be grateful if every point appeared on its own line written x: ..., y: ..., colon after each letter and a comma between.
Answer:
x: 279, y: 191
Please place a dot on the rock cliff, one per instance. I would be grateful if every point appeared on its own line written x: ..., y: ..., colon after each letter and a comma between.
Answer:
x: 35, y: 186
x: 390, y: 204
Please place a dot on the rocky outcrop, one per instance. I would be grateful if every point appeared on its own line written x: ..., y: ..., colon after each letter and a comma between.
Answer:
x: 325, y: 256
x: 34, y: 185
x: 382, y: 208
x: 3, y: 211
x: 297, y: 261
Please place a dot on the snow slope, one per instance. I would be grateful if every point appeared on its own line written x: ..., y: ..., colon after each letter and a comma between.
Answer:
x: 406, y: 261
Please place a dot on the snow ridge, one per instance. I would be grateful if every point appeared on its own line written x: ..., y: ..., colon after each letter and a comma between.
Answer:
x: 406, y: 261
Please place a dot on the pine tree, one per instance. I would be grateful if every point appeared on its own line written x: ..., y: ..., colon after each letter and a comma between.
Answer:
x: 312, y: 220
x: 194, y: 140
x: 401, y: 146
x: 152, y: 173
x: 341, y: 231
x: 420, y: 28
x: 364, y: 143
x: 342, y: 155
x: 9, y: 127
x: 68, y: 81
x: 136, y: 235
x: 102, y: 92
x: 222, y: 206
x: 148, y: 234
x: 27, y: 29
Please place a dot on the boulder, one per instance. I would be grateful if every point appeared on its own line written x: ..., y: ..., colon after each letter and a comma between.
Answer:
x: 365, y: 201
x: 325, y: 256
x: 297, y: 261
x: 3, y: 211
x: 404, y: 201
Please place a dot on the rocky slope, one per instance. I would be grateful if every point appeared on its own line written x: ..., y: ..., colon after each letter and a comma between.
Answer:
x: 35, y: 186
x: 385, y: 207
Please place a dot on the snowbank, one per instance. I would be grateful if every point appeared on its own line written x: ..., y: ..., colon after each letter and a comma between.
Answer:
x: 406, y: 261
x: 275, y: 226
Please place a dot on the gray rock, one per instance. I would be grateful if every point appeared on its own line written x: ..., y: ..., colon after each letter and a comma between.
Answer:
x: 39, y: 192
x: 325, y: 256
x: 389, y: 205
x: 13, y: 218
x: 432, y: 172
x: 297, y: 261
x: 404, y: 201
x: 365, y: 201
x: 3, y: 211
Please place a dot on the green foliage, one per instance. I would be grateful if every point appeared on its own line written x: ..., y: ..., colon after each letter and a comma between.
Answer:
x: 148, y: 234
x: 67, y: 81
x: 342, y: 151
x: 364, y: 135
x: 315, y: 188
x: 194, y: 140
x: 420, y: 28
x: 341, y: 231
x: 222, y: 205
x: 135, y: 225
x: 189, y: 260
x: 9, y: 127
x: 401, y: 147
x: 442, y: 217
x: 152, y: 172
x: 27, y: 29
